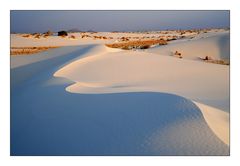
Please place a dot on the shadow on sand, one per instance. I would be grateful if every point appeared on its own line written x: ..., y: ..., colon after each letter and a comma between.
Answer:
x: 47, y: 120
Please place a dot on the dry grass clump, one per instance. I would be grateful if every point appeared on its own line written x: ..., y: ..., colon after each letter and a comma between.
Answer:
x: 100, y: 37
x: 29, y: 50
x: 221, y: 62
x: 144, y: 44
x: 37, y: 36
x: 85, y: 36
x: 208, y: 59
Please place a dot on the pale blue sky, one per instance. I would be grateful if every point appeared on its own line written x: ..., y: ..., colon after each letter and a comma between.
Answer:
x: 41, y: 21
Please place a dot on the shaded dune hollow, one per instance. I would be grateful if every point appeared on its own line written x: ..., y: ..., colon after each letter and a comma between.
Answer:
x: 113, y: 124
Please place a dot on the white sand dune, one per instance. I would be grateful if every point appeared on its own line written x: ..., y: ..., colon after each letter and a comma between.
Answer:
x: 121, y: 103
x: 107, y: 74
x: 149, y: 72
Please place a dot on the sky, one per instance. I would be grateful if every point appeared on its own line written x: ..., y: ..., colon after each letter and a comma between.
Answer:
x: 40, y: 21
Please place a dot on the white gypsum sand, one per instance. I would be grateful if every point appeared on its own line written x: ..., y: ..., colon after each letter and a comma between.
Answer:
x: 122, y: 102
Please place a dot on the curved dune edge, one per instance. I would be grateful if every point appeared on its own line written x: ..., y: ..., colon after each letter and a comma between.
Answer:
x: 97, y: 81
x: 217, y: 120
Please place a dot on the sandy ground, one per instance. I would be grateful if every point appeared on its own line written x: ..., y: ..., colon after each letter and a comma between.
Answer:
x: 87, y: 99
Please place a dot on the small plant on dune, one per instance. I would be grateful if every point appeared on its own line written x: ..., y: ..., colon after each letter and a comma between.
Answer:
x: 178, y: 54
x: 207, y: 58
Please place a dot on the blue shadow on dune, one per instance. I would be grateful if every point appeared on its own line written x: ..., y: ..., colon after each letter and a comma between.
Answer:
x: 23, y: 73
x: 53, y: 122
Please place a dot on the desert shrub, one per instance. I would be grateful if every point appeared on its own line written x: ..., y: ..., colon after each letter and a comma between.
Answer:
x: 62, y: 33
x: 145, y: 46
x: 177, y: 53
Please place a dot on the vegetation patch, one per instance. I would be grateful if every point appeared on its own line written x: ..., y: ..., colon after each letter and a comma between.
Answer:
x: 29, y: 50
x: 139, y: 44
